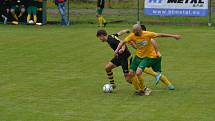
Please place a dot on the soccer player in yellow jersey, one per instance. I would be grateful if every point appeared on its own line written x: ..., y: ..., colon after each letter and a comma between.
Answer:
x: 99, y: 10
x: 150, y: 71
x: 146, y: 55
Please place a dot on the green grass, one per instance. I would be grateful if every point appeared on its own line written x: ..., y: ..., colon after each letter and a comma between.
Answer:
x: 54, y: 73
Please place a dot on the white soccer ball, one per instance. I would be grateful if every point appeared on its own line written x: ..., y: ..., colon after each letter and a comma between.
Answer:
x: 39, y: 24
x: 107, y: 88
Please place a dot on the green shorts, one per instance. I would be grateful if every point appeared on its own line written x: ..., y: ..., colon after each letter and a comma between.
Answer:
x: 99, y: 11
x: 154, y: 63
x: 32, y: 10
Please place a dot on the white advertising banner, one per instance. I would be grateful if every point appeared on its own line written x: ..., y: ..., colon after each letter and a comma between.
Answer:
x: 176, y: 7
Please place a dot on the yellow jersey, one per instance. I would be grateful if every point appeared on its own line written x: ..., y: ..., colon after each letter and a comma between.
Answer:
x: 144, y: 44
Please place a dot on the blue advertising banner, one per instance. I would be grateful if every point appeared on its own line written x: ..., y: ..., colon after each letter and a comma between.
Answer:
x: 176, y: 7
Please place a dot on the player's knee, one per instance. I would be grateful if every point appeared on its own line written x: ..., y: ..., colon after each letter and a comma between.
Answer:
x: 139, y: 72
x: 108, y: 68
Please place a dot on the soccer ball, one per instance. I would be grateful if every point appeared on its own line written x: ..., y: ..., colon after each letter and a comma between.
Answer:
x: 39, y: 24
x: 107, y: 88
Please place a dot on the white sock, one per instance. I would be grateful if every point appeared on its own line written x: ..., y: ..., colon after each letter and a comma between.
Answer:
x: 5, y: 19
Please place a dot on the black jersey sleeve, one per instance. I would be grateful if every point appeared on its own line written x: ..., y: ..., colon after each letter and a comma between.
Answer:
x: 117, y: 35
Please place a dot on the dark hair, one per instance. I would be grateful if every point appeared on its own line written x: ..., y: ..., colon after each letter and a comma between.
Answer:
x: 143, y: 27
x: 101, y: 32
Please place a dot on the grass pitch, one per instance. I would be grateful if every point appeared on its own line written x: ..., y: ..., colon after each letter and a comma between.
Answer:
x: 54, y: 73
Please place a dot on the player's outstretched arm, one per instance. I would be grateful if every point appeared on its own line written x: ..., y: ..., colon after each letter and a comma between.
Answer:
x: 120, y: 33
x: 177, y: 37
